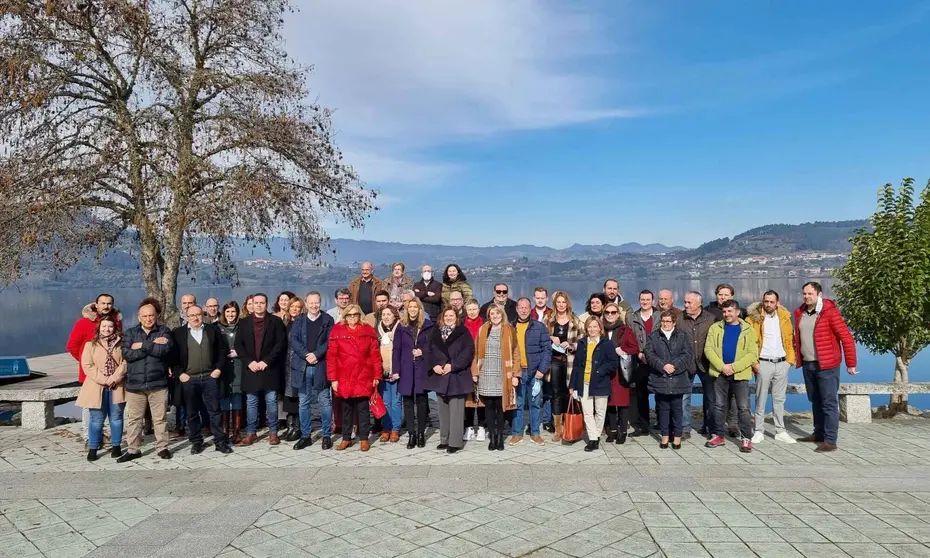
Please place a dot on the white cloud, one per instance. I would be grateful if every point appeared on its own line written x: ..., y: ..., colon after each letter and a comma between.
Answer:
x: 405, y: 76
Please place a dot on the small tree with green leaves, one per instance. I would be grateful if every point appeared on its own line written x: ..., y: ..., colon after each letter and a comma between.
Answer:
x: 884, y: 287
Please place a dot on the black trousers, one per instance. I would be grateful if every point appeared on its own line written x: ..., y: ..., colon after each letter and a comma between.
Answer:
x: 290, y: 405
x: 668, y: 407
x: 495, y: 414
x: 558, y: 385
x: 202, y: 390
x: 641, y: 394
x: 617, y: 420
x: 352, y: 406
x: 470, y: 416
x: 421, y: 402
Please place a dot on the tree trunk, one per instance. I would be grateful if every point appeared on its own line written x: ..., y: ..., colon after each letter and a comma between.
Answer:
x: 898, y: 403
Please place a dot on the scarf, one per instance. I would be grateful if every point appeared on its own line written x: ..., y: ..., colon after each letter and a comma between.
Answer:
x: 110, y: 344
x: 445, y: 331
x: 612, y: 326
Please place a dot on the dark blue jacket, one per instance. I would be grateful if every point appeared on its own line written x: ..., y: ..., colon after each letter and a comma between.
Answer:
x: 538, y: 348
x: 147, y: 368
x: 675, y: 351
x: 298, y: 347
x: 604, y: 364
x: 412, y: 371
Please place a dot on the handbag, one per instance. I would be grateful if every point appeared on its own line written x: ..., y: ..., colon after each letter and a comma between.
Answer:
x: 573, y: 425
x: 626, y: 369
x: 376, y: 405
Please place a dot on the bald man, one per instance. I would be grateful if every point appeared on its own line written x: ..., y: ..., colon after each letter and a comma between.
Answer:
x: 363, y: 288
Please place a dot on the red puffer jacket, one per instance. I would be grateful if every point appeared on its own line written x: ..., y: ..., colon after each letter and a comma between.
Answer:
x: 829, y: 331
x: 353, y: 359
x: 84, y: 330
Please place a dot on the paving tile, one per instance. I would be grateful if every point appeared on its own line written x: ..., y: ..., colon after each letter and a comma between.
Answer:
x: 727, y: 550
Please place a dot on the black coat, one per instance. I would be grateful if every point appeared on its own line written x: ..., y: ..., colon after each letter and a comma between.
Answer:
x: 273, y: 353
x: 181, y: 339
x: 147, y: 367
x: 431, y: 304
x: 510, y: 309
x: 458, y: 350
x: 604, y: 364
x: 675, y: 351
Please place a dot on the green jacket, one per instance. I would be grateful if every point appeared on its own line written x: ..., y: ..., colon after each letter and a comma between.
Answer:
x: 747, y: 350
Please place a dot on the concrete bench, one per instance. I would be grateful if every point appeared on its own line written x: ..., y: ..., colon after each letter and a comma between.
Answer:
x: 855, y: 401
x: 38, y: 404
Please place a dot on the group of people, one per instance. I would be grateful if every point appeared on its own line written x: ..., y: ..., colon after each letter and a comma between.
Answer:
x: 486, y: 364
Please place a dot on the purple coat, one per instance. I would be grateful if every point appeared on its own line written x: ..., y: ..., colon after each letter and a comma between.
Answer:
x: 458, y: 350
x: 412, y: 371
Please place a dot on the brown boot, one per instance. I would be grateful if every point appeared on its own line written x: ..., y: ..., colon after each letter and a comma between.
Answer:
x: 557, y: 420
x: 248, y: 440
x: 395, y: 436
x: 273, y: 440
x: 236, y: 426
x: 364, y: 445
x: 343, y: 445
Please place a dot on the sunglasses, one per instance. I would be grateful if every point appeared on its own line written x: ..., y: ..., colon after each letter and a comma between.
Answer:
x: 353, y: 315
x: 501, y: 292
x: 611, y: 313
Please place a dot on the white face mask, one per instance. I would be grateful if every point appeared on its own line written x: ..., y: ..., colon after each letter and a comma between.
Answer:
x: 427, y: 276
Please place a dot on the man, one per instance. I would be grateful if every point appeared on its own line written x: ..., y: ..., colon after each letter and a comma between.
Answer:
x: 84, y: 331
x: 612, y: 292
x: 212, y: 309
x: 695, y: 323
x: 457, y: 302
x: 309, y: 342
x: 382, y: 298
x: 187, y: 300
x: 642, y: 322
x: 731, y: 350
x: 200, y: 355
x: 501, y: 298
x: 147, y: 349
x: 819, y: 330
x: 535, y: 350
x: 772, y: 323
x: 342, y: 301
x: 723, y: 292
x: 540, y: 310
x: 261, y: 343
x: 429, y: 291
x: 362, y: 289
x: 667, y: 302
x: 176, y: 396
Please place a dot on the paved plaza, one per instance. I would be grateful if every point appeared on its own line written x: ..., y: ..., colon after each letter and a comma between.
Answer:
x: 872, y: 498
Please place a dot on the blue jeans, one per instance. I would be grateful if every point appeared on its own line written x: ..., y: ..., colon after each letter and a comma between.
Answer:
x: 823, y: 386
x: 324, y: 398
x: 107, y: 409
x: 525, y: 394
x: 547, y: 412
x: 394, y: 405
x: 231, y: 403
x: 686, y: 408
x: 271, y: 411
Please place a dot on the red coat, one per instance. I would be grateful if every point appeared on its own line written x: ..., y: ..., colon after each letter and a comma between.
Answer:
x: 84, y: 330
x: 353, y: 359
x: 829, y: 331
x: 625, y: 339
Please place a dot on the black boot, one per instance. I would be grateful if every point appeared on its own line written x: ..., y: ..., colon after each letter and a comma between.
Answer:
x: 590, y: 446
x: 421, y: 439
x: 92, y: 455
x: 411, y: 440
x: 492, y: 443
x: 293, y: 428
x: 500, y: 441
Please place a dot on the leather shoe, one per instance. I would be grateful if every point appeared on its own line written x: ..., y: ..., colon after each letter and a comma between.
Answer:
x: 92, y: 455
x: 421, y: 440
x: 411, y: 440
x: 343, y: 445
x: 247, y: 441
x: 197, y: 447
x: 364, y: 445
x: 825, y: 447
x: 810, y: 438
x: 590, y: 446
x: 385, y: 436
x: 327, y: 443
x: 223, y: 448
x: 452, y: 449
x: 302, y: 443
x: 621, y: 439
x: 639, y: 432
x: 442, y: 446
x: 129, y: 456
x: 273, y: 440
x: 164, y: 454
x: 116, y: 452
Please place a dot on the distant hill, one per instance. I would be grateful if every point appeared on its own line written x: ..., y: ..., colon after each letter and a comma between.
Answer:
x: 780, y: 239
x: 350, y: 252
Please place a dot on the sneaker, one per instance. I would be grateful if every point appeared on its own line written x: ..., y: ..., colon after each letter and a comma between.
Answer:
x: 758, y: 437
x: 716, y: 442
x: 746, y: 445
x: 481, y: 434
x: 469, y: 434
x: 516, y: 440
x: 537, y: 439
x: 785, y: 438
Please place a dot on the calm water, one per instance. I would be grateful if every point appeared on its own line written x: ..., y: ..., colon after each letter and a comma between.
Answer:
x: 37, y: 322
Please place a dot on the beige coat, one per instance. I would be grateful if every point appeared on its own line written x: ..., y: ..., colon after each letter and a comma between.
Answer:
x: 94, y: 361
x: 510, y: 367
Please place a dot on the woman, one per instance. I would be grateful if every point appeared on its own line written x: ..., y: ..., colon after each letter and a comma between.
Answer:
x: 454, y: 280
x: 669, y: 355
x: 246, y: 307
x: 280, y: 305
x: 590, y: 381
x: 410, y: 342
x: 103, y: 391
x: 231, y: 379
x: 290, y: 402
x: 564, y: 330
x: 473, y: 323
x: 397, y: 284
x: 496, y: 371
x: 387, y: 330
x: 594, y: 307
x: 353, y: 367
x: 625, y: 345
x: 448, y: 359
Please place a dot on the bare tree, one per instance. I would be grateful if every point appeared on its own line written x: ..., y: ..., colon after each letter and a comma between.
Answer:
x: 179, y: 122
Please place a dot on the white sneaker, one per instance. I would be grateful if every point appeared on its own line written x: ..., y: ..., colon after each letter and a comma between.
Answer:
x: 480, y: 437
x: 785, y: 438
x: 758, y: 437
x: 468, y: 434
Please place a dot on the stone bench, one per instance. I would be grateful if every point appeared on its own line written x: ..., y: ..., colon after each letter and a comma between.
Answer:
x: 38, y: 403
x: 855, y: 401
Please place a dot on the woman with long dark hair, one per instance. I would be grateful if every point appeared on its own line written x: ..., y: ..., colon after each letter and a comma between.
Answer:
x: 454, y: 280
x: 103, y: 390
x: 231, y: 378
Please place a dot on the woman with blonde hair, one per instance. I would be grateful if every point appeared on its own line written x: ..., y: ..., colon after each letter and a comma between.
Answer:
x: 411, y: 340
x: 590, y: 381
x: 103, y: 391
x: 246, y: 310
x: 496, y: 371
x: 353, y: 367
x: 387, y: 330
x: 564, y: 330
x: 290, y: 403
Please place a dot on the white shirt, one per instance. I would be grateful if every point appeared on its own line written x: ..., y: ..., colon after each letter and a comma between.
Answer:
x: 313, y: 317
x: 772, y: 346
x: 197, y: 334
x: 541, y: 314
x: 668, y: 334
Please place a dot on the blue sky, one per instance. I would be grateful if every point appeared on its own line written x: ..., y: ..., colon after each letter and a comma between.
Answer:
x: 555, y: 122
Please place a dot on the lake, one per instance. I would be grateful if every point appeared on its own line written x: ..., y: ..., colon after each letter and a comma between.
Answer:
x: 37, y: 322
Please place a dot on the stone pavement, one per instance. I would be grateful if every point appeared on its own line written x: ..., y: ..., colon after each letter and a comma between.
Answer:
x: 872, y: 498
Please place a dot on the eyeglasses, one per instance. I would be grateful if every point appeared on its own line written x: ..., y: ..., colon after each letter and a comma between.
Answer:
x: 611, y: 312
x: 353, y: 315
x: 500, y: 291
